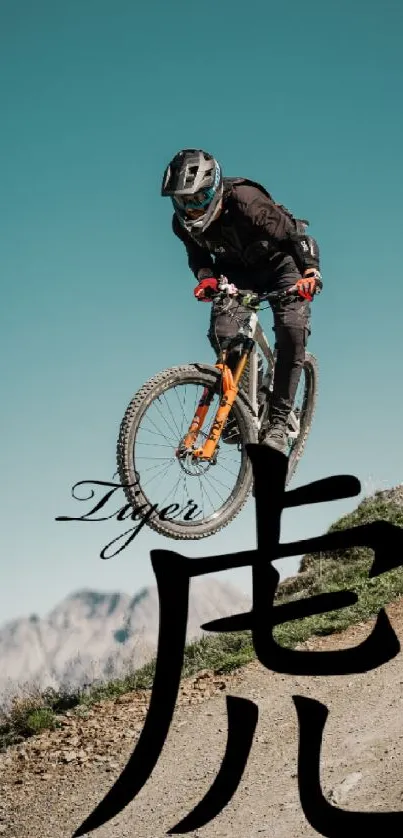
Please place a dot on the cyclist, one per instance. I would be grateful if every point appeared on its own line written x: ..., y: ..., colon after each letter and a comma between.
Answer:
x: 233, y: 227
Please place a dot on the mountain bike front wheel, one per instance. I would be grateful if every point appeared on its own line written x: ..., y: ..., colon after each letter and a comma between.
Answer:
x: 182, y: 497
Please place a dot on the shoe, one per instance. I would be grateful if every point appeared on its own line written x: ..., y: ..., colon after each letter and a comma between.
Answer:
x: 277, y: 437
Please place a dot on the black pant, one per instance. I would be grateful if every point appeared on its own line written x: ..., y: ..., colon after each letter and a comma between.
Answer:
x: 292, y: 319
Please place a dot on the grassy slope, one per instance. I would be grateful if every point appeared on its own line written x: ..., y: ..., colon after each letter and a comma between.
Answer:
x: 319, y: 573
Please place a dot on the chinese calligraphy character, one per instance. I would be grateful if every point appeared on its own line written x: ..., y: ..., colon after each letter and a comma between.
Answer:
x: 173, y: 573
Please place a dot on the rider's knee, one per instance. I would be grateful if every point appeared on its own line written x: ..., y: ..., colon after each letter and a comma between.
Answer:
x: 292, y: 340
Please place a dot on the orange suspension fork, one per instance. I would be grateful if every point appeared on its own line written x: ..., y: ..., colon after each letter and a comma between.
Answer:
x: 199, y: 417
x: 230, y: 391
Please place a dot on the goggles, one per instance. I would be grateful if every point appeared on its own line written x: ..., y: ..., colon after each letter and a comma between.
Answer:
x: 197, y: 202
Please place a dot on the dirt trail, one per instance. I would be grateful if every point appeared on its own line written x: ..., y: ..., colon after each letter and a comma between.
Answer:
x: 50, y: 784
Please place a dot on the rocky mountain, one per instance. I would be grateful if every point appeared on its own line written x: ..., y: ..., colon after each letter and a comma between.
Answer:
x: 92, y: 635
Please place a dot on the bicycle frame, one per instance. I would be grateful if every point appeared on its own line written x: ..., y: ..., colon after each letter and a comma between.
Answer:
x: 253, y: 334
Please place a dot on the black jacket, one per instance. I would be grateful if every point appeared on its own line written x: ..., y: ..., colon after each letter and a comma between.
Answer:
x: 251, y: 234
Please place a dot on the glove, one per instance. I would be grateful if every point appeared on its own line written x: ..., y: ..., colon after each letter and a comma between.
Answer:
x: 310, y: 284
x: 204, y: 291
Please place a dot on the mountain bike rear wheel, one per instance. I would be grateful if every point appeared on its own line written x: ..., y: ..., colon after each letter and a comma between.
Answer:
x: 308, y: 386
x: 152, y: 475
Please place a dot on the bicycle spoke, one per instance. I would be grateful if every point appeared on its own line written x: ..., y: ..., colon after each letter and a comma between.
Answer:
x: 170, y: 495
x: 152, y: 468
x: 185, y: 418
x: 201, y: 490
x: 183, y: 491
x: 179, y: 433
x: 149, y: 458
x: 204, y: 491
x: 215, y: 489
x: 182, y: 410
x: 160, y: 432
x: 154, y: 444
x: 159, y: 474
x: 227, y: 469
x: 162, y: 415
x: 216, y: 480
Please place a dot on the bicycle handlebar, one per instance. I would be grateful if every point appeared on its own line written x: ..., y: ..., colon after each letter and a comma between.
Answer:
x: 292, y: 291
x: 230, y: 290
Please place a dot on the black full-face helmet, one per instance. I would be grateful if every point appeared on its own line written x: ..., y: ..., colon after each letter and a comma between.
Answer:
x: 193, y: 181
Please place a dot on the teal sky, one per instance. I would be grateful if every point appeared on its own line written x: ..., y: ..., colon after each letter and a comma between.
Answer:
x: 95, y: 98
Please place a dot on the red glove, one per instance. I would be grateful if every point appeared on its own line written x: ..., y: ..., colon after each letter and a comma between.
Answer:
x: 204, y: 291
x: 309, y: 284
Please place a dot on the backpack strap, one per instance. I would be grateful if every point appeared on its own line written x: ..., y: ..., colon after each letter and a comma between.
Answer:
x: 300, y: 223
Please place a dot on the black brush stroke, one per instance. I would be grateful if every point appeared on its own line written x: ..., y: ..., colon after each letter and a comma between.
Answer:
x: 242, y: 720
x: 297, y: 610
x: 173, y: 592
x: 324, y: 818
x: 381, y: 645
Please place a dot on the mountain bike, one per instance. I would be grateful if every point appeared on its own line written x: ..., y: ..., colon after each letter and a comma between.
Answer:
x: 181, y: 455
